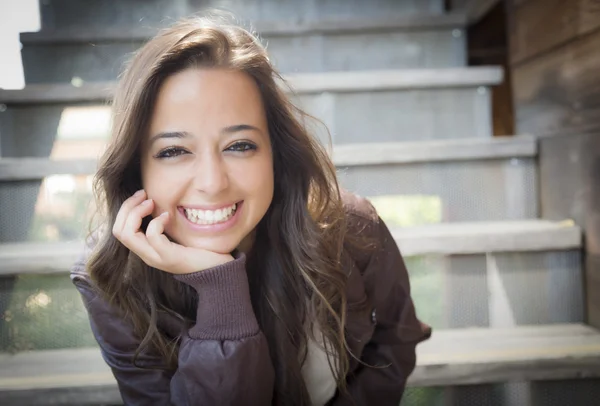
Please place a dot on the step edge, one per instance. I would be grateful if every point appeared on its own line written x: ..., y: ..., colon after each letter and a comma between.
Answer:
x: 400, y: 22
x: 563, y: 366
x: 554, y: 237
x: 345, y: 155
x: 305, y: 83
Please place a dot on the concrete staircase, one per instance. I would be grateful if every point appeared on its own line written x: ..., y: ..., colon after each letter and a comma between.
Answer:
x: 412, y: 130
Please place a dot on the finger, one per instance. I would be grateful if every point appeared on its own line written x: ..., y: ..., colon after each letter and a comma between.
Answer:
x: 135, y: 217
x: 126, y: 207
x: 138, y: 244
x: 157, y: 239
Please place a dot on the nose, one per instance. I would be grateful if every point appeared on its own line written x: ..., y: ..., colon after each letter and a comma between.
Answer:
x: 210, y: 175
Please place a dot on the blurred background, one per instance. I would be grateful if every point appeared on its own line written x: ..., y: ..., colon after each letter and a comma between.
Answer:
x: 472, y: 125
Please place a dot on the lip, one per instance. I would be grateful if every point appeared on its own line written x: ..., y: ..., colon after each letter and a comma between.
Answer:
x: 212, y: 227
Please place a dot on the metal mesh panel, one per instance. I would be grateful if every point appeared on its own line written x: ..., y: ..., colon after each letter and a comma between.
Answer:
x: 75, y: 13
x: 18, y: 205
x: 290, y: 54
x: 483, y: 190
x: 427, y: 280
x: 457, y: 291
x: 54, y: 130
x: 402, y: 115
x: 379, y: 50
x: 423, y: 397
x: 57, y: 209
x: 532, y: 283
x: 581, y: 392
x: 466, y: 292
x: 476, y: 395
x: 60, y: 63
x: 42, y: 312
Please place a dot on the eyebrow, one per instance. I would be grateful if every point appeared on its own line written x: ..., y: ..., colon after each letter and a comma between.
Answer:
x: 239, y: 127
x: 184, y: 134
x: 170, y: 134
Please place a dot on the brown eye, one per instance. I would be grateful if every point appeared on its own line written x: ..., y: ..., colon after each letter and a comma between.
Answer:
x: 170, y: 152
x: 242, y: 146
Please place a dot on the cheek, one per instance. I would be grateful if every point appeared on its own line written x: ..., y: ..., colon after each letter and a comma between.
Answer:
x: 162, y: 186
x: 256, y: 178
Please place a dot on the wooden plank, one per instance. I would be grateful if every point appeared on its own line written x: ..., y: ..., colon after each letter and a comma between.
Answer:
x: 448, y: 358
x: 558, y: 93
x: 476, y: 356
x: 530, y: 35
x: 64, y: 368
x: 434, y: 151
x: 589, y: 16
x: 93, y: 395
x: 264, y: 28
x: 440, y: 239
x: 38, y: 258
x: 395, y: 79
x: 100, y: 92
x: 487, y: 237
x: 13, y: 169
x: 18, y: 169
x: 300, y: 83
x: 571, y: 187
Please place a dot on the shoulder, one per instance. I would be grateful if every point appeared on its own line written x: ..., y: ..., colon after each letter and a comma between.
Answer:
x: 362, y: 228
x: 79, y: 270
x: 358, y: 208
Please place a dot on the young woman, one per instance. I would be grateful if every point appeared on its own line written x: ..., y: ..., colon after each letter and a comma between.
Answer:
x: 230, y: 269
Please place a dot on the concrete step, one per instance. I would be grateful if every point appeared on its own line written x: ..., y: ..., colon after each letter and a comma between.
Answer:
x: 449, y: 358
x: 74, y: 14
x: 390, y: 42
x: 369, y: 106
x: 455, y: 180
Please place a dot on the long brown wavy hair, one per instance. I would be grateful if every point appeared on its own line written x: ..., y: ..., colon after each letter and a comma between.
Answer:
x: 294, y: 266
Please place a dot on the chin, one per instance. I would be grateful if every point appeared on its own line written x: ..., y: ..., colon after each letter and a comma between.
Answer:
x: 218, y: 245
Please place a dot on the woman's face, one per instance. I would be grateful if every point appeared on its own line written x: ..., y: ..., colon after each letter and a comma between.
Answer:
x: 207, y: 158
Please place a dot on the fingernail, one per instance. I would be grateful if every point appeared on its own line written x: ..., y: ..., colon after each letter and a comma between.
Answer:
x: 165, y: 214
x: 146, y: 202
x: 138, y: 193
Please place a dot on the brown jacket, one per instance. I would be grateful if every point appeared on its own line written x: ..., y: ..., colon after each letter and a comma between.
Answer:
x: 224, y: 358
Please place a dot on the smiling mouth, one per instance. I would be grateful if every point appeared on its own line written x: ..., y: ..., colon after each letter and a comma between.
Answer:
x: 207, y: 217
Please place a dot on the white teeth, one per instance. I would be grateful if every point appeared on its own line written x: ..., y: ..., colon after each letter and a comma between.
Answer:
x: 210, y: 216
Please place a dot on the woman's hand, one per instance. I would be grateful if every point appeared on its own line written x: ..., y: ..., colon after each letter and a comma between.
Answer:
x: 153, y: 247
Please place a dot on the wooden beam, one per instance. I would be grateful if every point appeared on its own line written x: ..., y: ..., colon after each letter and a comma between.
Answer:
x: 467, y: 149
x: 358, y: 81
x: 477, y: 356
x: 488, y: 237
x: 530, y: 36
x: 39, y: 258
x: 142, y: 33
x: 99, y: 92
x: 558, y: 93
x: 440, y: 239
x: 448, y: 358
x: 363, y: 81
x: 475, y: 10
x: 19, y: 169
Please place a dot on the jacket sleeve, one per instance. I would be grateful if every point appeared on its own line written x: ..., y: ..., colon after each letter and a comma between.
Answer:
x: 223, y: 359
x: 390, y: 356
